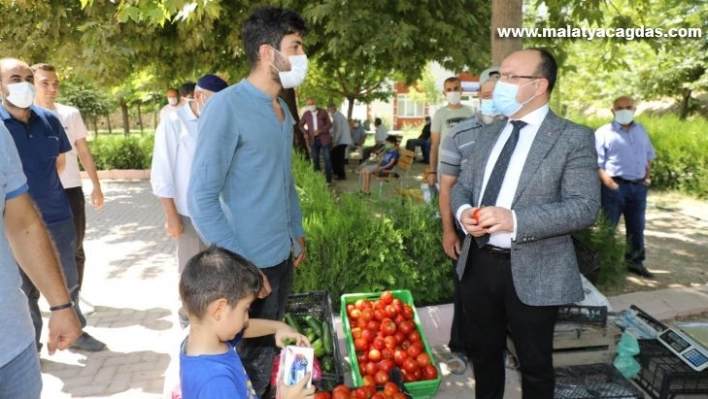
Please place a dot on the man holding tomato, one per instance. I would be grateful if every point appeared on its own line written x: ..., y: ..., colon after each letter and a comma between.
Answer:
x: 532, y: 181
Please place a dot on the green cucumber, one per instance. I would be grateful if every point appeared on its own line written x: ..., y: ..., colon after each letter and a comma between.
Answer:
x: 315, y: 324
x: 327, y: 338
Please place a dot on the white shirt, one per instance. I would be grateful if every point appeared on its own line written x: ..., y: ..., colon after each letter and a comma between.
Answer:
x: 175, y: 142
x: 75, y: 129
x: 314, y: 120
x: 168, y: 109
x: 513, y: 173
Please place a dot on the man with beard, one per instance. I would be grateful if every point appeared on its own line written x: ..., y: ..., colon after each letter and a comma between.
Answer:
x: 241, y: 193
x: 453, y: 153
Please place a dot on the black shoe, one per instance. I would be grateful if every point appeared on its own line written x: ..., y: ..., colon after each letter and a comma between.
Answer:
x: 641, y: 270
x: 87, y: 343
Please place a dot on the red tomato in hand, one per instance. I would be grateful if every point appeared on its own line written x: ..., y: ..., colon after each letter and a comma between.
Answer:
x: 475, y: 215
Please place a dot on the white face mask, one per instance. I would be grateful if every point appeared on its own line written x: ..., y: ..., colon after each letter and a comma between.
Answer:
x: 21, y: 95
x: 624, y: 116
x: 311, y: 108
x: 172, y: 100
x: 296, y: 75
x: 453, y: 97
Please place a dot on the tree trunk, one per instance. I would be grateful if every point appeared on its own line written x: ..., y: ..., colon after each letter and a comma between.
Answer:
x: 108, y: 122
x: 505, y: 14
x: 350, y: 111
x: 126, y: 120
x: 298, y: 139
x: 94, y: 119
x: 140, y: 118
x: 685, y: 104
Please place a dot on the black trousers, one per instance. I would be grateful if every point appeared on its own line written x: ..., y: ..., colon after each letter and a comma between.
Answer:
x: 458, y: 330
x: 338, y: 153
x: 77, y: 202
x: 491, y: 305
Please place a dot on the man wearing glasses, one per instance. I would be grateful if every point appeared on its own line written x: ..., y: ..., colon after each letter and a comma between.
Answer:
x: 529, y: 182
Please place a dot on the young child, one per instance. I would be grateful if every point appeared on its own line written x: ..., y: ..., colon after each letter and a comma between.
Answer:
x: 217, y: 287
x: 384, y: 167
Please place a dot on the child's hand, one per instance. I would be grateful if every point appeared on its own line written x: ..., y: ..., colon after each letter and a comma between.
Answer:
x: 297, y: 391
x: 285, y: 331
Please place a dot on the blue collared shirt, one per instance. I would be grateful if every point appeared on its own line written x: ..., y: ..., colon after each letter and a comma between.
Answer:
x: 624, y: 153
x: 241, y: 193
x: 39, y: 143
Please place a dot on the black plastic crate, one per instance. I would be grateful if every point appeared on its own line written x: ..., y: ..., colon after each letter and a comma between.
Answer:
x: 319, y: 305
x: 594, y: 381
x: 595, y: 315
x: 664, y: 375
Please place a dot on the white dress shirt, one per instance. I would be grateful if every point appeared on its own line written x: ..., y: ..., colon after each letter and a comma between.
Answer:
x: 175, y: 142
x: 513, y: 173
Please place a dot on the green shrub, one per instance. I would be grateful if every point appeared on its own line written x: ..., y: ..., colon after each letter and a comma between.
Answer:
x: 118, y: 152
x: 355, y: 247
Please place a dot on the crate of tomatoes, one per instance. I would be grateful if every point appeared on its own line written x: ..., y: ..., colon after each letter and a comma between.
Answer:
x: 393, y: 389
x: 383, y: 331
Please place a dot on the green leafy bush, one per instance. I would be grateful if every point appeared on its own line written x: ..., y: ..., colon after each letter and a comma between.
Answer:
x: 119, y: 152
x: 355, y: 246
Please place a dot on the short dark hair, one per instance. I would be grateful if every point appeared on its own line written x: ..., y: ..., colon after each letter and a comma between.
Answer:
x: 392, y: 139
x: 452, y: 79
x: 377, y: 121
x: 187, y: 89
x: 217, y: 273
x: 547, y: 68
x: 268, y: 25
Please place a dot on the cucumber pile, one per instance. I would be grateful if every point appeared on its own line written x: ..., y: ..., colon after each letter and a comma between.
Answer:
x: 319, y: 333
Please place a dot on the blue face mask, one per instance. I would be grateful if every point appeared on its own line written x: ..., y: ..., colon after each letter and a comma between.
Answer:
x: 505, y: 98
x: 487, y: 107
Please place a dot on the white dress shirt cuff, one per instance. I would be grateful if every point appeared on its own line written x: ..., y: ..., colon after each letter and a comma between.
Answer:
x: 513, y: 232
x: 458, y: 215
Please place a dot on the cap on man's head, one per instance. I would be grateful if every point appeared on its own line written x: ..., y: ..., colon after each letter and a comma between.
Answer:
x: 212, y: 83
x: 486, y: 74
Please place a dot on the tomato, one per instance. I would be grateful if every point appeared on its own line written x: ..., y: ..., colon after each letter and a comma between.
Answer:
x: 423, y: 359
x: 362, y: 368
x: 400, y: 337
x: 370, y: 369
x: 419, y: 344
x: 398, y: 319
x: 391, y: 311
x: 390, y: 342
x: 362, y: 357
x: 406, y: 375
x: 390, y: 389
x: 386, y: 365
x: 413, y: 351
x: 399, y: 356
x: 386, y: 297
x: 361, y: 344
x: 378, y: 343
x: 387, y: 353
x: 379, y: 314
x: 368, y: 335
x: 367, y: 314
x: 356, y: 332
x: 355, y: 314
x: 405, y: 344
x: 430, y: 372
x: 369, y: 380
x: 381, y: 377
x: 369, y: 390
x: 408, y: 312
x: 388, y: 327
x: 359, y: 304
x: 361, y: 323
x: 475, y: 215
x: 322, y: 395
x: 410, y: 365
x: 406, y: 327
x: 359, y: 393
x: 418, y: 374
x: 374, y: 355
x: 340, y: 395
x: 399, y: 395
x: 341, y: 388
x: 373, y: 325
x: 378, y: 395
x: 414, y: 336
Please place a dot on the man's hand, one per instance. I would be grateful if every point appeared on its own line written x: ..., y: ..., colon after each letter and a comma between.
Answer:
x: 431, y: 179
x: 451, y: 244
x: 495, y: 219
x: 173, y: 226
x: 267, y: 289
x: 470, y: 224
x: 303, y: 252
x: 64, y: 329
x: 97, y: 198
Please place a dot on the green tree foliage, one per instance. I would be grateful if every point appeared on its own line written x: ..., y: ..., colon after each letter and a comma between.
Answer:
x: 92, y: 102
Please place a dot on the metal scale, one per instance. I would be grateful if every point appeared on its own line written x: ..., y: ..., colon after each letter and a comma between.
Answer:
x: 687, y: 340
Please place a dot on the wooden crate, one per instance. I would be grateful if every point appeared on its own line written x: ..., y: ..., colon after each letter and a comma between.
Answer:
x: 583, y: 344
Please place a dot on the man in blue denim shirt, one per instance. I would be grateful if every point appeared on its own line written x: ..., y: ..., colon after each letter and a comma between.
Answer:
x: 41, y: 142
x: 624, y: 156
x: 241, y: 193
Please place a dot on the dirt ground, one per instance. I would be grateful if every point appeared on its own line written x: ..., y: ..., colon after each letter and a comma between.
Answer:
x: 676, y: 235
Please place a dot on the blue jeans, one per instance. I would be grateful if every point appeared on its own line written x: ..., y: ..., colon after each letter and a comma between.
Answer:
x: 630, y: 200
x: 63, y: 234
x: 22, y: 377
x: 257, y: 353
x: 326, y: 152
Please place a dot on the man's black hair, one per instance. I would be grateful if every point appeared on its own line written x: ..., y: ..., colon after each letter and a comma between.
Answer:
x: 268, y: 25
x: 187, y: 89
x: 217, y: 273
x: 547, y: 68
